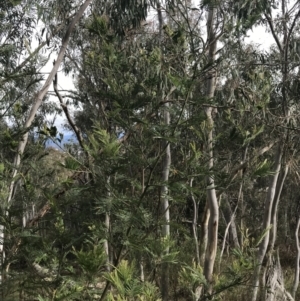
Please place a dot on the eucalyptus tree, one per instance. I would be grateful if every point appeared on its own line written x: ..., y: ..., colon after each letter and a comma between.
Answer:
x: 23, y: 15
x: 283, y: 29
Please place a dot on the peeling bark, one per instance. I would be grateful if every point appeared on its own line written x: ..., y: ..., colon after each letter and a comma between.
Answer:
x: 274, y: 282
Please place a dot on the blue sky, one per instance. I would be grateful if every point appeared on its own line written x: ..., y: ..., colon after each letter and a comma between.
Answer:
x: 69, y: 137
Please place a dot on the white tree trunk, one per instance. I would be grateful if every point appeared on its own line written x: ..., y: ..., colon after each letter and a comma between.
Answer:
x: 165, y: 179
x: 279, y: 188
x: 213, y: 223
x: 267, y: 221
x: 204, y: 233
x: 165, y: 207
x: 194, y: 225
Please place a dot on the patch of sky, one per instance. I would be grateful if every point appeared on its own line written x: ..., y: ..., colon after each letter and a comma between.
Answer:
x: 67, y: 138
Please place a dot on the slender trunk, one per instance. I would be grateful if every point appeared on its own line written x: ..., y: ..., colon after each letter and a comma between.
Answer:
x: 242, y: 204
x: 211, y: 249
x: 267, y: 221
x: 105, y: 243
x: 296, y: 279
x: 198, y: 289
x: 165, y: 179
x: 280, y: 183
x: 230, y: 220
x: 165, y: 208
x: 142, y: 275
x: 286, y: 220
x: 204, y: 233
x: 107, y: 230
x: 195, y: 222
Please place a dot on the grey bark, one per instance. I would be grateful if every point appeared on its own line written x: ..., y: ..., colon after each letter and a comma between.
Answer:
x: 194, y: 225
x: 204, y: 233
x: 107, y: 230
x: 267, y: 221
x: 231, y: 225
x: 274, y: 281
x: 211, y: 250
x: 229, y: 217
x: 279, y: 188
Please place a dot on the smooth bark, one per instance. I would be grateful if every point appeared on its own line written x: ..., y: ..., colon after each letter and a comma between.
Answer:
x: 231, y: 225
x: 194, y: 225
x: 211, y: 250
x: 267, y: 221
x: 279, y: 188
x: 230, y: 220
x: 204, y: 233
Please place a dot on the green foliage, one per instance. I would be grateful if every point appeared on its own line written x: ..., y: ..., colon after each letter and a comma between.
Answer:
x: 103, y: 143
x: 263, y: 169
x: 91, y: 260
x: 71, y: 163
x: 98, y: 25
x: 191, y: 277
x: 124, y: 280
x: 160, y: 253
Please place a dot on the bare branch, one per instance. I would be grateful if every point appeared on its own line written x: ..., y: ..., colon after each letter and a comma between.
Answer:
x: 270, y: 21
x: 67, y: 113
